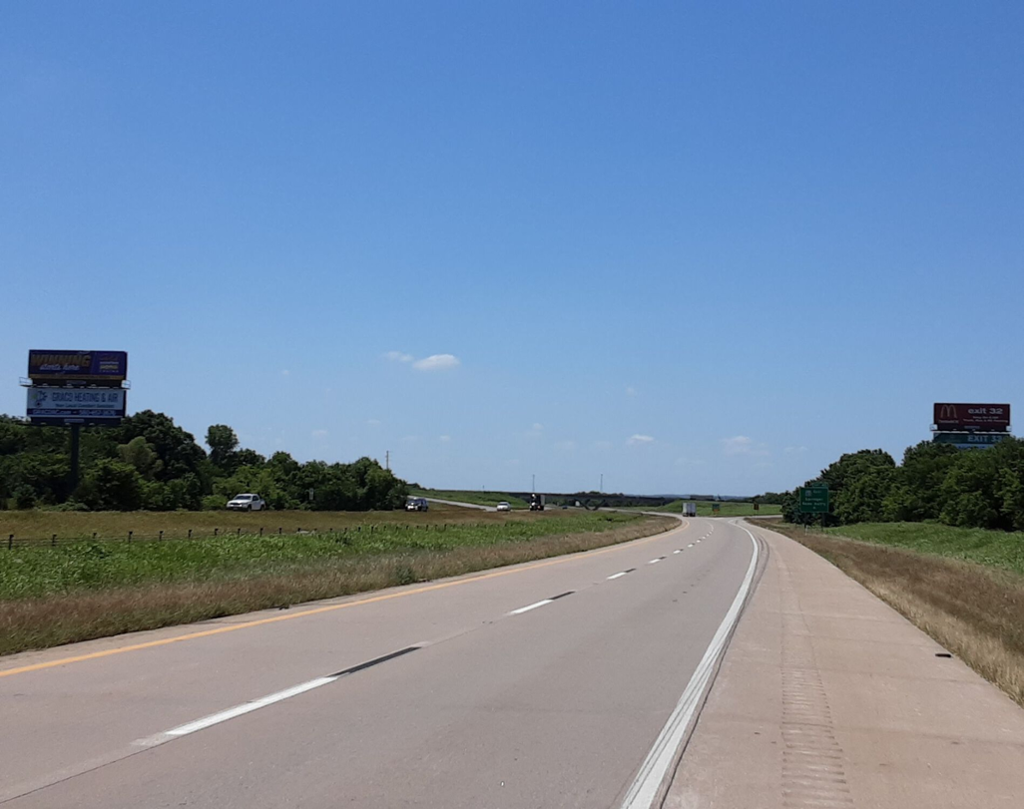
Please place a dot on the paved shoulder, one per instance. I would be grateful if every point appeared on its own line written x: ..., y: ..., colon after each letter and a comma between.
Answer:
x: 833, y: 699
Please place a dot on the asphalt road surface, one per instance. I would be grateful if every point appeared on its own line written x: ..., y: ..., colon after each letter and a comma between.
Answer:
x: 563, y: 682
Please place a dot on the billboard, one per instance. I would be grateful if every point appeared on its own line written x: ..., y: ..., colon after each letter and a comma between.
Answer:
x: 83, y: 405
x: 62, y: 366
x: 958, y: 416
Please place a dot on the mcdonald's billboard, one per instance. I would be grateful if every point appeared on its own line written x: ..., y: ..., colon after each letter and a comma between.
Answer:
x: 957, y: 416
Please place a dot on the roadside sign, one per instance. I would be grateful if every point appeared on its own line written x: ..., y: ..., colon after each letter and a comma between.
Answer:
x: 757, y: 506
x: 715, y: 508
x: 814, y: 499
x: 58, y: 367
x: 959, y: 416
x: 75, y: 405
x: 970, y: 440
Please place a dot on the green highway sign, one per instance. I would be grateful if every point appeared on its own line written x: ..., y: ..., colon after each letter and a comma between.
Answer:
x: 963, y: 440
x: 715, y: 508
x: 814, y: 499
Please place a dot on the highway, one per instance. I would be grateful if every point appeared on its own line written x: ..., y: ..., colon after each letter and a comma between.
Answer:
x: 566, y: 682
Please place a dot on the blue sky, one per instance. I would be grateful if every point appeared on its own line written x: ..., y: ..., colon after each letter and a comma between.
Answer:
x: 691, y: 246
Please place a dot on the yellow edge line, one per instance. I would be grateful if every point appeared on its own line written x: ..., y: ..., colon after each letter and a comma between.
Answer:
x: 206, y: 633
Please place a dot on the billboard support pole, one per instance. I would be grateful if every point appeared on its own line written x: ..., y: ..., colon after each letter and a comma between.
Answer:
x: 76, y: 435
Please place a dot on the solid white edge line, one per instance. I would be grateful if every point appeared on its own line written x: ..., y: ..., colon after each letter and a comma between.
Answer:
x: 617, y: 575
x: 247, y: 707
x: 529, y: 607
x: 644, y: 789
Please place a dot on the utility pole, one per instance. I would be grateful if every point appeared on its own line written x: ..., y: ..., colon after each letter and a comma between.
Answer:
x: 533, y: 483
x: 387, y: 459
x: 602, y: 483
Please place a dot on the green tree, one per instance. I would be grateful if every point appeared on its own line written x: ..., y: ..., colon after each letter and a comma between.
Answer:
x: 176, y: 448
x: 112, y: 486
x: 140, y: 453
x: 222, y: 442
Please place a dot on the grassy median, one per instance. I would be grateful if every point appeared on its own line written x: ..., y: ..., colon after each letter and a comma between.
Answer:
x: 88, y: 589
x: 964, y: 587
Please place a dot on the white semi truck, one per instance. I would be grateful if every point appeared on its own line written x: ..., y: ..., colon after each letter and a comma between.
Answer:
x: 689, y: 509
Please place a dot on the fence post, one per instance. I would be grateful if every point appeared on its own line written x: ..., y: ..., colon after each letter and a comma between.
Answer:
x: 53, y: 541
x: 238, y: 531
x: 279, y: 530
x: 190, y: 533
x: 261, y: 530
x: 130, y: 535
x: 161, y: 536
x: 10, y: 542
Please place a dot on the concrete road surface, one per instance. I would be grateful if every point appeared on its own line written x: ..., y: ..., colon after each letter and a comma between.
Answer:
x: 563, y: 682
x: 459, y: 504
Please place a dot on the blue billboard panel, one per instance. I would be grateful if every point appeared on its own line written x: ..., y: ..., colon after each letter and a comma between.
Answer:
x: 66, y: 366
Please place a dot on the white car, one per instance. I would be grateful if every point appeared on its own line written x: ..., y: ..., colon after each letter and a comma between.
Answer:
x: 504, y: 506
x: 247, y: 502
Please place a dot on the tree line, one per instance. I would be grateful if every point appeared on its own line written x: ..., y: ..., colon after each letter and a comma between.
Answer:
x: 968, y: 488
x: 150, y: 463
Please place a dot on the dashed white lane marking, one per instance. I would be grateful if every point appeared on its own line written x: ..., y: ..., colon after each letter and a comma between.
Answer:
x: 690, y: 545
x: 617, y: 575
x: 529, y: 607
x: 655, y: 561
x: 678, y: 550
x: 247, y: 707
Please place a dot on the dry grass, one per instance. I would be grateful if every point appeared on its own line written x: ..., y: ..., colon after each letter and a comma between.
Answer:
x: 976, y: 612
x: 54, y: 620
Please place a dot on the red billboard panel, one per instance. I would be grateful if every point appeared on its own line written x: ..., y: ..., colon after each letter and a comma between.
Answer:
x: 958, y: 416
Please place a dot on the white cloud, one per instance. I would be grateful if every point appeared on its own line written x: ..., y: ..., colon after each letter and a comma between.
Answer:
x: 437, y: 362
x: 630, y: 391
x: 737, y: 445
x: 743, y: 445
x: 636, y: 438
x: 537, y: 427
x: 285, y: 372
x: 794, y: 450
x: 399, y: 356
x: 373, y: 422
x: 444, y: 439
x: 319, y: 433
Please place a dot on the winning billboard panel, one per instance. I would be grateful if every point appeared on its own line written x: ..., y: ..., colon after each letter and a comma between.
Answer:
x: 58, y: 367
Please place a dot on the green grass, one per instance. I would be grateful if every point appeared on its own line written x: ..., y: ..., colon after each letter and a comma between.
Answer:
x: 728, y: 509
x: 90, y: 589
x: 996, y: 549
x: 40, y: 524
x: 34, y: 571
x: 476, y: 498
